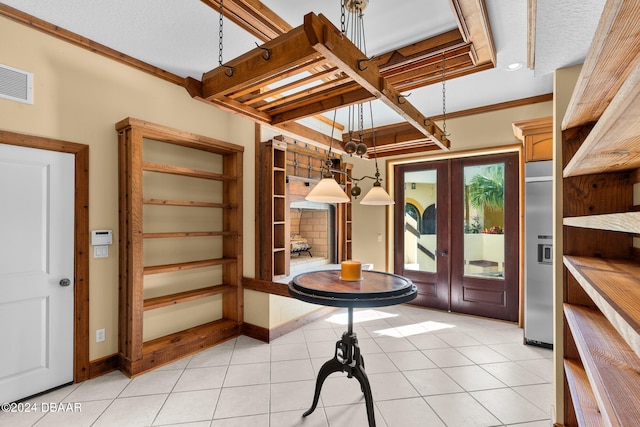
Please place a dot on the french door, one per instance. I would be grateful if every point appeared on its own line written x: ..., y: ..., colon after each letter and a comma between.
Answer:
x: 456, y: 233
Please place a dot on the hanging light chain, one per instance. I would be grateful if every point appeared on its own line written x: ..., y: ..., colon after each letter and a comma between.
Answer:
x: 444, y: 98
x: 220, y: 32
x: 343, y: 26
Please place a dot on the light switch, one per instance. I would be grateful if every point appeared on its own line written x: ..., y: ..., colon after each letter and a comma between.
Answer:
x: 100, y: 251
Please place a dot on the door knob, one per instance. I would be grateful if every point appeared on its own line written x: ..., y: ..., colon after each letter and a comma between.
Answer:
x: 444, y: 253
x: 65, y: 282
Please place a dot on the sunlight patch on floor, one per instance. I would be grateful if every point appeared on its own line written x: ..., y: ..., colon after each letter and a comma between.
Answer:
x: 414, y: 329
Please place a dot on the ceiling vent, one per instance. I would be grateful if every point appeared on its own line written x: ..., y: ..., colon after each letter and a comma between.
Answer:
x: 16, y: 85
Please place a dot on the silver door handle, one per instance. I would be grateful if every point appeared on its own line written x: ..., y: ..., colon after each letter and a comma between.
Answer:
x: 444, y: 253
x: 65, y: 282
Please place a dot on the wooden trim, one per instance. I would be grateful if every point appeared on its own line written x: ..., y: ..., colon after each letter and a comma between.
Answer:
x: 497, y: 107
x: 266, y: 286
x: 532, y: 6
x: 267, y: 335
x: 524, y: 128
x: 104, y: 365
x: 256, y: 332
x: 81, y: 367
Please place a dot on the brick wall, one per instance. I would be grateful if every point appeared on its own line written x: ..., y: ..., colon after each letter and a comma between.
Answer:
x: 313, y: 226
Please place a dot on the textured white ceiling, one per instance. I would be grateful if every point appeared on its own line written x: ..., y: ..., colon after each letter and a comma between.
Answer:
x: 564, y: 30
x: 181, y: 36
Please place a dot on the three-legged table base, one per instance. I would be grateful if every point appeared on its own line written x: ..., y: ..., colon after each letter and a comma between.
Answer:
x: 347, y: 358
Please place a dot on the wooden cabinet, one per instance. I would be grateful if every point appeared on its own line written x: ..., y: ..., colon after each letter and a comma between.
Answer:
x: 286, y: 170
x: 601, y: 267
x: 180, y: 198
x: 537, y: 137
x: 273, y: 209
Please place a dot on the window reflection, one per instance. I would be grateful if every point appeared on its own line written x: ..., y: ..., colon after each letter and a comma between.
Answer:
x: 484, y: 220
x: 420, y: 220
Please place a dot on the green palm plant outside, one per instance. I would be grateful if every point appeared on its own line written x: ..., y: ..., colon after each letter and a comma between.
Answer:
x: 486, y: 190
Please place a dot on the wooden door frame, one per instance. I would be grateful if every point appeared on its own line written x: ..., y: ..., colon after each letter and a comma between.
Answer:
x: 81, y: 240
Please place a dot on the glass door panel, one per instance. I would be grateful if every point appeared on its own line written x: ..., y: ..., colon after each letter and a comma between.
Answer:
x: 483, y: 228
x: 420, y: 222
x: 485, y: 200
x: 422, y: 230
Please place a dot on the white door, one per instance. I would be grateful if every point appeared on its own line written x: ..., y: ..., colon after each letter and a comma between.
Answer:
x: 36, y: 260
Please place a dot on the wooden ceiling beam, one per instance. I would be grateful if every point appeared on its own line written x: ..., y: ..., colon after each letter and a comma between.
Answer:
x: 322, y: 104
x: 253, y: 16
x: 432, y: 73
x: 473, y: 22
x: 286, y: 53
x: 328, y: 41
x: 317, y: 63
x: 310, y: 96
x: 408, y: 55
x: 399, y: 133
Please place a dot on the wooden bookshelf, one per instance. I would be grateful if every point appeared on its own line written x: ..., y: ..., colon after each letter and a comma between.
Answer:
x: 601, y: 280
x: 222, y: 206
x: 273, y: 231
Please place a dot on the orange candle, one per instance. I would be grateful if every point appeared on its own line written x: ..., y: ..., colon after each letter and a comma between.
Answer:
x: 351, y: 270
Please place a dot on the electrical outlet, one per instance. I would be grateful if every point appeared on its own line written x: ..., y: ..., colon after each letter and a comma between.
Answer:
x: 100, y: 335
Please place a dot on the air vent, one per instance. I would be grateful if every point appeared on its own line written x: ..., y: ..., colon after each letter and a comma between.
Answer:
x: 16, y: 85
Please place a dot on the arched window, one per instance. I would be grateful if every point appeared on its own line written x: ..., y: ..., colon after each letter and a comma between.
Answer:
x: 414, y: 213
x: 428, y: 225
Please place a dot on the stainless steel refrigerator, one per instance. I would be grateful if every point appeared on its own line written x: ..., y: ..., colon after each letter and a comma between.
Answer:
x: 538, y: 285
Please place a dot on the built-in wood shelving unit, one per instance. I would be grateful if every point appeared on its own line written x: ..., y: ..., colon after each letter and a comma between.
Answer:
x: 217, y: 196
x: 273, y: 232
x: 601, y: 286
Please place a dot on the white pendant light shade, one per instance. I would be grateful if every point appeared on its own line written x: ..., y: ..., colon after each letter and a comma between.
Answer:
x: 377, y: 196
x: 327, y: 191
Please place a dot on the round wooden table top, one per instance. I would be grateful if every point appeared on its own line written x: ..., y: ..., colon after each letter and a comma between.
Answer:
x: 375, y: 289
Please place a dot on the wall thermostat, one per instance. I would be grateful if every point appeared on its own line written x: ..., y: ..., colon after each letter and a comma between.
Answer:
x: 101, y: 237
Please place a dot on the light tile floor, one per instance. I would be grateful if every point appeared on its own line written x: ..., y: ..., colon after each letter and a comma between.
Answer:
x: 426, y: 368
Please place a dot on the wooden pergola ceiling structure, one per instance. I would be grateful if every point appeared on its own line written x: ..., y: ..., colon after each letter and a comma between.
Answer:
x: 467, y: 50
x: 309, y: 70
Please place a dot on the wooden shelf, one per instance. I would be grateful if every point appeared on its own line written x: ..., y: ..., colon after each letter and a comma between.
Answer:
x: 584, y: 402
x: 614, y: 286
x: 627, y: 221
x: 190, y: 265
x: 190, y: 203
x: 169, y: 235
x: 194, y: 173
x: 166, y: 349
x: 610, y: 364
x: 166, y: 300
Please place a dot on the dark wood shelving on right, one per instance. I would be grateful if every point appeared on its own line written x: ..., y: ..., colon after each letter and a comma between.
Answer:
x: 601, y: 276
